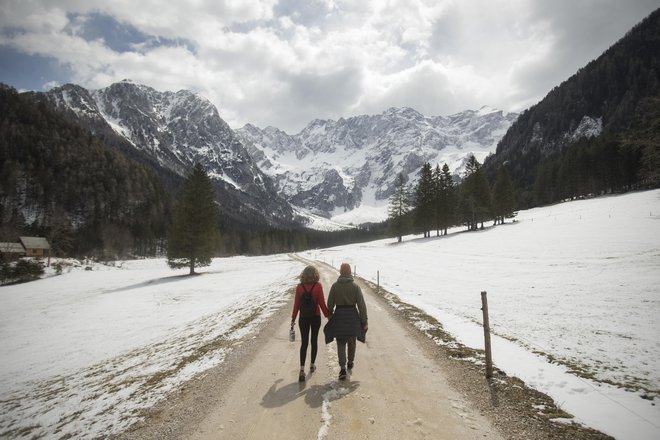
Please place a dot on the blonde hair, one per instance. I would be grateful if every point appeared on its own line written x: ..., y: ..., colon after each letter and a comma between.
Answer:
x: 310, y: 274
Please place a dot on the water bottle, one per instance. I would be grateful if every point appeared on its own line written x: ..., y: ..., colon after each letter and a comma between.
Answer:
x: 292, y: 334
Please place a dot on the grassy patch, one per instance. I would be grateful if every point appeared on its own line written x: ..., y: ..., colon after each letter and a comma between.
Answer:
x: 20, y: 432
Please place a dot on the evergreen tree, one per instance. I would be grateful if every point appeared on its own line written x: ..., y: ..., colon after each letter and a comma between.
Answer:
x: 472, y: 166
x: 447, y: 199
x: 424, y: 195
x: 437, y: 199
x: 399, y: 207
x: 193, y: 233
x: 484, y: 208
x: 475, y: 195
x: 504, y: 201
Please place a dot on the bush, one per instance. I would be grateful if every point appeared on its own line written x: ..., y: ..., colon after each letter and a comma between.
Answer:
x: 22, y: 271
x: 59, y: 267
x: 5, y: 271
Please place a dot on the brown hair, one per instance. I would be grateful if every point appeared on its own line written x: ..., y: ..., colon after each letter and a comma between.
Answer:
x: 310, y: 274
x: 345, y: 269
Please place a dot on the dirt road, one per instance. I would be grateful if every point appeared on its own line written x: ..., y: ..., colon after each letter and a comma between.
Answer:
x: 395, y: 391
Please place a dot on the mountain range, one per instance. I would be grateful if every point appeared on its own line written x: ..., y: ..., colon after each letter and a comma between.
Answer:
x: 171, y: 132
x: 333, y: 167
x: 330, y: 168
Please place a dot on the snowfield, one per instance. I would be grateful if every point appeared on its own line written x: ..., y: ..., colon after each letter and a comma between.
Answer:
x: 84, y: 352
x: 576, y: 283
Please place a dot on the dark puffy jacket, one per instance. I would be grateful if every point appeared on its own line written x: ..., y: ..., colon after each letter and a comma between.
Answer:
x: 346, y: 320
x: 344, y: 292
x: 343, y: 323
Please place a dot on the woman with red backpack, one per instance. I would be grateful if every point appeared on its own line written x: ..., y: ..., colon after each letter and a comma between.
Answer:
x: 309, y: 302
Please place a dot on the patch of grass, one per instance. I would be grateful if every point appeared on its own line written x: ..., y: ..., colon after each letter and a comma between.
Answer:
x: 632, y: 384
x: 221, y: 342
x: 20, y: 432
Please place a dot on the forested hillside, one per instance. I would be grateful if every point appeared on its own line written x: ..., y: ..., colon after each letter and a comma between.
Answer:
x: 596, y: 132
x: 61, y: 182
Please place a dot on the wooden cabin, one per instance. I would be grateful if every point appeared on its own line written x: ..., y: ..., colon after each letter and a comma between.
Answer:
x: 35, y: 246
x: 11, y: 251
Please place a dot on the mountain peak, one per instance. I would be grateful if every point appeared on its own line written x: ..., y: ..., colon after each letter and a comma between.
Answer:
x: 337, y: 166
x: 405, y: 112
x: 486, y: 110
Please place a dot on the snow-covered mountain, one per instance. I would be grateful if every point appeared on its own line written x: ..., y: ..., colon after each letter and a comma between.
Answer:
x: 178, y: 130
x: 341, y: 168
x: 344, y: 169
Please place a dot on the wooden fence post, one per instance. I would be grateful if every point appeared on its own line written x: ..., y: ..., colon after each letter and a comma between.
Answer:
x: 377, y: 282
x: 489, y: 357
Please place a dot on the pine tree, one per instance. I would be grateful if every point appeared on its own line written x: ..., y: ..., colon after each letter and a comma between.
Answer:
x: 504, y: 200
x: 447, y: 199
x: 193, y: 234
x: 437, y: 199
x: 424, y: 200
x: 484, y: 209
x: 399, y: 207
x: 472, y: 165
x: 475, y: 195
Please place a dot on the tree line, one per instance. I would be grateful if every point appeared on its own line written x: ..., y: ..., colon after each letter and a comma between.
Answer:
x: 613, y: 162
x: 437, y: 202
x: 622, y: 87
x: 59, y: 181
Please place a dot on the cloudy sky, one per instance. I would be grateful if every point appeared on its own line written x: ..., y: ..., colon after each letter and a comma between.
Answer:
x: 286, y: 62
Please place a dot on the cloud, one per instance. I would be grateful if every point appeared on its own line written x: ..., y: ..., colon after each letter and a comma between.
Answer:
x: 286, y: 62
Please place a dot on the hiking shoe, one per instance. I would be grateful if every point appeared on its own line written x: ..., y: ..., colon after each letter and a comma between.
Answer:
x: 301, y: 376
x: 312, y: 368
x: 342, y: 374
x: 350, y: 365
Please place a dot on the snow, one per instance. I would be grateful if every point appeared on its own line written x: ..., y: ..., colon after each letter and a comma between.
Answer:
x: 576, y: 282
x: 589, y: 127
x: 82, y: 353
x: 318, y: 222
x: 362, y: 214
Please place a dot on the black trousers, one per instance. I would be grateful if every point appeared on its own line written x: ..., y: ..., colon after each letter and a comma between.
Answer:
x: 306, y: 325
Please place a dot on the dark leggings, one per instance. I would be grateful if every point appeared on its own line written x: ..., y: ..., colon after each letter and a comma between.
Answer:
x: 305, y: 325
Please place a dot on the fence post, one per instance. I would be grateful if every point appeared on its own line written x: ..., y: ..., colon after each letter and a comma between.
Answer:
x: 489, y: 358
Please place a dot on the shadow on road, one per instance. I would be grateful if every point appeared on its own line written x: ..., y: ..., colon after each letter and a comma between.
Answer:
x: 314, y: 395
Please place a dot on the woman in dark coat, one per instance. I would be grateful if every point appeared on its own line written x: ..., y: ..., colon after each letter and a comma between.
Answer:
x: 309, y: 283
x: 347, y: 323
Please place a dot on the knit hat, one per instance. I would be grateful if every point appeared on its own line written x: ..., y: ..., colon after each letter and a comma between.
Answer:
x: 345, y: 269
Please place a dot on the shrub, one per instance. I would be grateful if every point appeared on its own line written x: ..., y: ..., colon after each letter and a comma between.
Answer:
x: 22, y: 271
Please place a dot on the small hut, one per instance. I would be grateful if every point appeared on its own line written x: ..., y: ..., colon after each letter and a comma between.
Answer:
x: 11, y: 251
x: 36, y: 247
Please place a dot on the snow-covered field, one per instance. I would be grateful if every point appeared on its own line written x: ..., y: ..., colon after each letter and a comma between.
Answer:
x: 82, y: 353
x: 578, y: 282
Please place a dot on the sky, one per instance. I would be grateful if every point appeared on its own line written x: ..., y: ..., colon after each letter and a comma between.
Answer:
x: 285, y: 63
